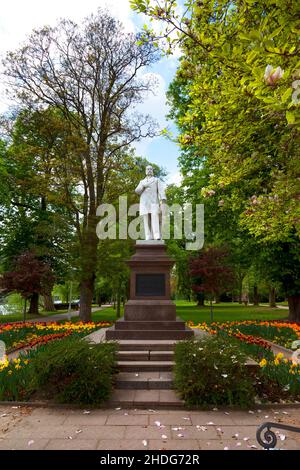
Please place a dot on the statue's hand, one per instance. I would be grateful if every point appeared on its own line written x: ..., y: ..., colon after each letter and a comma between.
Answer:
x: 163, y: 207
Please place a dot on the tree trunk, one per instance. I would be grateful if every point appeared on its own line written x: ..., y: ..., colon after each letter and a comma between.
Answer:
x: 48, y: 303
x: 200, y: 299
x: 240, y: 292
x: 34, y: 305
x: 118, y: 313
x: 211, y: 311
x: 86, y: 298
x: 272, y: 297
x: 88, y: 254
x: 255, y: 295
x: 294, y: 308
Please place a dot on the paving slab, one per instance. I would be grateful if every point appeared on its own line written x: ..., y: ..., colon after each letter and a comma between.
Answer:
x: 147, y: 432
x: 128, y: 420
x: 176, y: 418
x: 20, y: 443
x: 69, y: 444
x: 187, y: 444
x: 191, y: 432
x: 133, y: 429
x: 124, y: 444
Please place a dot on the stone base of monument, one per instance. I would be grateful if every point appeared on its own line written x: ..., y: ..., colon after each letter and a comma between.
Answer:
x: 150, y: 313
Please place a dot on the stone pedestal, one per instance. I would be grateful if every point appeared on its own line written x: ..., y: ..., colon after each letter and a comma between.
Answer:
x: 150, y: 312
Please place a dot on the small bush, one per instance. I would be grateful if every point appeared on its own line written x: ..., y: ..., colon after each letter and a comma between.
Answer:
x: 73, y: 371
x: 212, y: 371
x: 17, y: 380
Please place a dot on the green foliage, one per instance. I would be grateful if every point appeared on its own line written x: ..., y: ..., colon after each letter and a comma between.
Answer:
x: 73, y: 371
x: 235, y: 100
x: 212, y: 371
x: 17, y: 381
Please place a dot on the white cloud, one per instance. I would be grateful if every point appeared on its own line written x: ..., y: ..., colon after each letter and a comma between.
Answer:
x: 154, y: 105
x: 175, y: 178
x: 19, y: 17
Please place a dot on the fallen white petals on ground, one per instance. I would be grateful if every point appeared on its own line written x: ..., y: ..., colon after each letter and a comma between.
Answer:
x: 144, y: 443
x: 203, y: 428
x: 30, y: 443
x: 210, y: 423
x: 86, y: 412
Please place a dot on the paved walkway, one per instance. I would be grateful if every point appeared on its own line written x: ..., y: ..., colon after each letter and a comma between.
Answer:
x: 61, y: 428
x: 63, y: 316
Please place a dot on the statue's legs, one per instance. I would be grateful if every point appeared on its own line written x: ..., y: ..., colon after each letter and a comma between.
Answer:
x: 147, y: 227
x: 152, y: 226
x: 155, y: 226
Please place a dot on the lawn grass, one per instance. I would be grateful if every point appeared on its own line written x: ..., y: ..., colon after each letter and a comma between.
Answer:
x: 187, y: 311
x: 228, y: 312
x: 222, y: 312
x: 16, y: 317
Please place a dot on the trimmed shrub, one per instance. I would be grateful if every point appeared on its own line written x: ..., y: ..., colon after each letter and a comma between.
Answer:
x: 212, y: 371
x: 74, y: 371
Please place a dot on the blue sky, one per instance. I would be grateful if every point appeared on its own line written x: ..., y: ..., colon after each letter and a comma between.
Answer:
x: 34, y: 13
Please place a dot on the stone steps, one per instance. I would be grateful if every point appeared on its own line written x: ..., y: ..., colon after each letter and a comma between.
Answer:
x: 145, y: 366
x: 115, y: 334
x: 149, y: 345
x: 144, y: 381
x: 150, y: 325
x: 145, y: 399
x: 146, y: 355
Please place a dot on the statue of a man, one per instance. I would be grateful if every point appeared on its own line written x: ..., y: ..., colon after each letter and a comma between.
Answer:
x: 152, y: 195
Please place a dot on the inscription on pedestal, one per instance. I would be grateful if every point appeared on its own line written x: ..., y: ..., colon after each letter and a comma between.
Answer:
x: 148, y: 285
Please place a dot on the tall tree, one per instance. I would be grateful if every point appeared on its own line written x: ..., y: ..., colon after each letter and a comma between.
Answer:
x: 211, y: 273
x: 92, y: 74
x: 35, y: 214
x: 236, y: 100
x: 30, y: 278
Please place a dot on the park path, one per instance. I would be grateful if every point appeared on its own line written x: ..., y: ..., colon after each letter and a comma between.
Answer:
x: 57, y: 428
x: 50, y: 319
x: 63, y: 316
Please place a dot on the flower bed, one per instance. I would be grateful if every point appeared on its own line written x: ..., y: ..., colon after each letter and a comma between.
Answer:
x: 20, y: 335
x: 279, y: 377
x: 281, y: 333
x: 68, y: 371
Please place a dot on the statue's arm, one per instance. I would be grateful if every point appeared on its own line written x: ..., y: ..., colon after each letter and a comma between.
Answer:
x: 161, y: 191
x: 140, y: 188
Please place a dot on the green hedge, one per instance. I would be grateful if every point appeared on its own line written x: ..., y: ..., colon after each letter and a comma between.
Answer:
x: 68, y: 370
x: 212, y: 371
x: 75, y: 371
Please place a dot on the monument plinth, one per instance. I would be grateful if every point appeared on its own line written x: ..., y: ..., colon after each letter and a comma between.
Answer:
x: 150, y: 312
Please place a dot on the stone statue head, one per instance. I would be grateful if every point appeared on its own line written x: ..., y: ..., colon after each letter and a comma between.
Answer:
x: 149, y: 170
